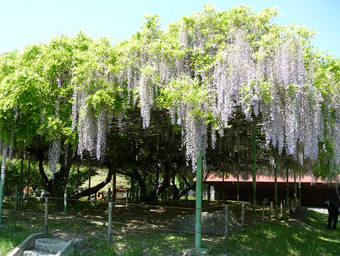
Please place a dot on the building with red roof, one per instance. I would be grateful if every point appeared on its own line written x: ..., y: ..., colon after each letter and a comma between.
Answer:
x: 309, y: 190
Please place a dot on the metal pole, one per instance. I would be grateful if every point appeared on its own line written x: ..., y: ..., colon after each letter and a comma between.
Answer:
x: 226, y: 222
x: 46, y: 215
x: 199, y: 174
x: 110, y: 223
x: 65, y: 201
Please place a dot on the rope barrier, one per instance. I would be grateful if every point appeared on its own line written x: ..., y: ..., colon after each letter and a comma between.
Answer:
x: 102, y: 220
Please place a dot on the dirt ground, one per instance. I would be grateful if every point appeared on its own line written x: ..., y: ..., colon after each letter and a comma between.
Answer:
x: 88, y: 216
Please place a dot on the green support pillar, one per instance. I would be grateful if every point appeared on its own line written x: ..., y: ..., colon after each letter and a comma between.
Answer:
x: 275, y: 155
x: 199, y: 174
x: 254, y: 174
x: 198, y: 235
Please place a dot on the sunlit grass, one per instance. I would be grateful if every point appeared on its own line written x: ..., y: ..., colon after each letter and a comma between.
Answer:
x: 279, y: 237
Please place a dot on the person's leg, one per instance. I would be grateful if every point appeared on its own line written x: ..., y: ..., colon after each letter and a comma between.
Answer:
x: 335, y: 221
x: 329, y: 221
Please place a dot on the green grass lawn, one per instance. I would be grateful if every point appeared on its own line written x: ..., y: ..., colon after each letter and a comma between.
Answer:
x: 138, y: 231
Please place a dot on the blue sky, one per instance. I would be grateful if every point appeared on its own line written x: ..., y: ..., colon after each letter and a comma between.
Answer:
x: 25, y: 22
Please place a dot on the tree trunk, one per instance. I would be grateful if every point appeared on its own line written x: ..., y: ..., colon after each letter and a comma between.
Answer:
x: 28, y: 177
x: 21, y: 181
x: 95, y: 189
x: 90, y: 170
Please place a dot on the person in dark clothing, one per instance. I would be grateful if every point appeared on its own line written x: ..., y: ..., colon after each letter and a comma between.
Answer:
x: 333, y: 213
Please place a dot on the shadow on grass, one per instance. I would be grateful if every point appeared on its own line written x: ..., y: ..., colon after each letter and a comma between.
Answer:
x: 284, y: 238
x: 142, y: 230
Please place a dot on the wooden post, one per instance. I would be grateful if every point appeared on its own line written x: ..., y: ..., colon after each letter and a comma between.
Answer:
x: 226, y: 222
x: 275, y: 156
x: 186, y: 196
x: 281, y: 208
x: 28, y: 179
x: 287, y: 173
x: 110, y: 223
x: 109, y: 195
x: 254, y: 174
x: 238, y: 187
x: 78, y: 178
x: 295, y: 190
x: 46, y: 215
x: 21, y: 182
x: 242, y: 215
x: 16, y: 198
x: 300, y: 201
x: 223, y: 184
x: 208, y: 192
x: 65, y: 201
x: 263, y: 211
x: 270, y: 210
x: 114, y: 185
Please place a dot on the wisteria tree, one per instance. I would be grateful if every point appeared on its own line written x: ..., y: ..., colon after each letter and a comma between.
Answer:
x: 72, y: 97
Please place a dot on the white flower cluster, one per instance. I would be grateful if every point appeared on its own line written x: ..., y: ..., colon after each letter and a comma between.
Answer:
x: 146, y: 94
x: 195, y: 139
x: 295, y: 109
x: 54, y: 155
x: 92, y: 125
x: 272, y: 83
x: 233, y: 71
x: 3, y: 165
x: 11, y: 144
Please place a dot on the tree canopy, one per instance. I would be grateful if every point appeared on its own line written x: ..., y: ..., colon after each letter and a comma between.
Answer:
x: 202, y: 77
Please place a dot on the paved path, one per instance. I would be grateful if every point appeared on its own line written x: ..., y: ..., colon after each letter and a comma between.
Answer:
x: 318, y: 209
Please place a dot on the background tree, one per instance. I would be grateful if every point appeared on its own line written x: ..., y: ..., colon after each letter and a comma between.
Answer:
x: 153, y: 101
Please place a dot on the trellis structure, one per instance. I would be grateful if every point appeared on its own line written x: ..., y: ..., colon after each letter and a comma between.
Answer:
x: 205, y: 70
